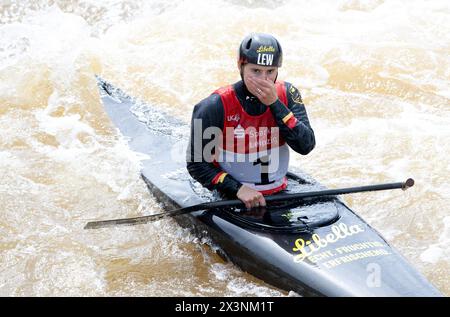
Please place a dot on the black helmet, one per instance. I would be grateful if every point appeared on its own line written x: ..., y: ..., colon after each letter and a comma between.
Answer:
x: 261, y: 49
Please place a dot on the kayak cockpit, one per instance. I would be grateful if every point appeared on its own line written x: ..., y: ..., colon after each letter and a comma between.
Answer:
x: 281, y: 216
x: 286, y: 217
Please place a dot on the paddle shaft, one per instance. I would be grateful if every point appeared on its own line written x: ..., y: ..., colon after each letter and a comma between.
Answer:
x: 237, y: 203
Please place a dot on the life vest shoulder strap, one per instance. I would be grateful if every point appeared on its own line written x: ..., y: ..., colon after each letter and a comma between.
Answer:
x: 229, y: 99
x: 224, y: 91
x: 281, y: 92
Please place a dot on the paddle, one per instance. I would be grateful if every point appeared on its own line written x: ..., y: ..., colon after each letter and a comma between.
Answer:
x: 237, y: 203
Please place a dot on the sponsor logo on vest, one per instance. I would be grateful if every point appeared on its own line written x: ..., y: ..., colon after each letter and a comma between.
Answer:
x: 339, y: 232
x: 265, y: 59
x: 239, y: 132
x: 234, y: 117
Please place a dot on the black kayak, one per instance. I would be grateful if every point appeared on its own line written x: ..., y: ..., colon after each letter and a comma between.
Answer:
x: 316, y: 247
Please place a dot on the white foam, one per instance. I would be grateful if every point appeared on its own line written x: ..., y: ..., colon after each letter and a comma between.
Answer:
x: 66, y: 129
x: 237, y: 285
x: 439, y: 251
x: 432, y: 255
x: 241, y: 287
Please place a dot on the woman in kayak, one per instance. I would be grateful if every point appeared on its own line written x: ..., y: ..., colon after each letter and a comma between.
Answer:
x: 240, y: 134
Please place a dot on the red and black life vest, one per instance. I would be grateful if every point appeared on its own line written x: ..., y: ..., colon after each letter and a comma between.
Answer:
x: 252, y: 149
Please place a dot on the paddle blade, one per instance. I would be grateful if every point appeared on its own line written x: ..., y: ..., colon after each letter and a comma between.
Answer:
x: 141, y: 220
x: 124, y: 222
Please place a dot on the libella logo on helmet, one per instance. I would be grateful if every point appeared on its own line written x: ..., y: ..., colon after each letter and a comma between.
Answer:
x: 260, y: 49
x: 265, y: 55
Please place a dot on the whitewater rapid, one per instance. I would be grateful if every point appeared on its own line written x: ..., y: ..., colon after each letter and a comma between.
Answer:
x: 374, y: 76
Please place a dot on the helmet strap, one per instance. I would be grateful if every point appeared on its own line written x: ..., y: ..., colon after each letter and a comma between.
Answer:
x: 241, y: 72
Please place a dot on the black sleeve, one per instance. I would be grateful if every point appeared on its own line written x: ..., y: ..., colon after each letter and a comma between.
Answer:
x: 208, y: 113
x: 293, y: 122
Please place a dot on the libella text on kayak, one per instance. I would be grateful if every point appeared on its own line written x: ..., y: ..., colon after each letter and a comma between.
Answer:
x: 307, y: 248
x: 319, y: 250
